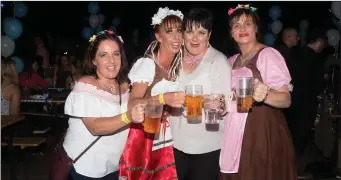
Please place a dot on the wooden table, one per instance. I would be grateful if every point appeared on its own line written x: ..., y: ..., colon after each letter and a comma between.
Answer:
x: 5, y: 122
x: 54, y: 101
x: 9, y: 120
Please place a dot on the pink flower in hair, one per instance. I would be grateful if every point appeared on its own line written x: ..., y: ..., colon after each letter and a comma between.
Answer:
x: 231, y: 10
x: 110, y: 32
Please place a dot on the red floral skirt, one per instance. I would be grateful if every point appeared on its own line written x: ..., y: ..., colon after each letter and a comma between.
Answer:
x: 139, y: 162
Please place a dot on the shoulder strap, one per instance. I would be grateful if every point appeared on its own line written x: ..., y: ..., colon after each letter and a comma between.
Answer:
x: 85, y: 150
x: 94, y: 142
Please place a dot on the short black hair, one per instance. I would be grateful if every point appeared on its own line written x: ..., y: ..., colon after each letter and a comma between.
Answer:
x: 316, y: 35
x: 199, y: 17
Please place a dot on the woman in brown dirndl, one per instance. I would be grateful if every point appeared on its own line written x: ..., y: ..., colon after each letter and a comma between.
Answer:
x: 257, y: 145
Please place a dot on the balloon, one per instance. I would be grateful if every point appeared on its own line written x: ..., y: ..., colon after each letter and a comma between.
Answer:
x: 116, y: 21
x: 333, y: 37
x: 269, y: 39
x: 93, y: 8
x: 304, y: 24
x: 18, y: 63
x: 275, y: 12
x: 87, y: 32
x: 13, y: 28
x: 98, y: 29
x: 20, y: 9
x: 112, y: 28
x: 7, y: 46
x: 336, y: 6
x: 276, y: 27
x: 101, y: 18
x: 94, y: 21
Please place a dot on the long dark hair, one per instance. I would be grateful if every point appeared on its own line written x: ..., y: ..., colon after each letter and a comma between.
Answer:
x: 90, y: 68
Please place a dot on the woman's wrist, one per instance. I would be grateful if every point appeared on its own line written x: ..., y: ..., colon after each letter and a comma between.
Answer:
x: 125, y: 118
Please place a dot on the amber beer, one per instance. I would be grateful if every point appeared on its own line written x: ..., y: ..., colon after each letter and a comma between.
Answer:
x: 152, y: 124
x: 244, y: 92
x: 244, y: 104
x: 153, y: 113
x: 194, y: 100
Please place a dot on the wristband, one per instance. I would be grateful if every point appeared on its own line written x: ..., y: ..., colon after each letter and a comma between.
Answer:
x: 161, y: 99
x: 125, y: 118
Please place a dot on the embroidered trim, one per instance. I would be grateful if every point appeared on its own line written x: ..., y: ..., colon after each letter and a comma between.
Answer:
x: 163, y: 142
x: 146, y: 170
x: 81, y: 87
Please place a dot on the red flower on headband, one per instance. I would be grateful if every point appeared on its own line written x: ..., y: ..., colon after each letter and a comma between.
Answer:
x: 110, y: 32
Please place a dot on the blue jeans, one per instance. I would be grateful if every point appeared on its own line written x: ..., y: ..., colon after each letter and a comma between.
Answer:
x: 75, y: 176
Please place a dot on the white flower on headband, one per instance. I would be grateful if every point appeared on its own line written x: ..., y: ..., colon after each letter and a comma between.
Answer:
x: 120, y: 38
x: 164, y: 12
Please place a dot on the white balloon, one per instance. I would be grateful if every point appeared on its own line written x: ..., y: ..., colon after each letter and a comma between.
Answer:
x: 336, y: 6
x: 276, y: 27
x: 94, y: 20
x: 333, y: 37
x: 101, y: 18
x: 304, y: 24
x: 7, y: 46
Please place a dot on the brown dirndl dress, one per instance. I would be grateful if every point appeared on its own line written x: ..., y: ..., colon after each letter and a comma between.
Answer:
x: 267, y: 151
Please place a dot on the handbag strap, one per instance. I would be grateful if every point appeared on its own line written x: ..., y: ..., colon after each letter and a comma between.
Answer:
x: 94, y: 142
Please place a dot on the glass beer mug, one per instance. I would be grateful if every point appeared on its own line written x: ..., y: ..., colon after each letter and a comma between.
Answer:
x: 153, y: 113
x: 244, y: 90
x: 194, y: 99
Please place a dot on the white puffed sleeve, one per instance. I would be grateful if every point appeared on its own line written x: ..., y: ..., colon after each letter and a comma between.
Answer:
x: 142, y: 71
x: 83, y: 105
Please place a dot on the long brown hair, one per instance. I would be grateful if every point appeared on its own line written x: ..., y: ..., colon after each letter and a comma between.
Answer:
x: 90, y: 68
x: 153, y: 48
x: 9, y: 71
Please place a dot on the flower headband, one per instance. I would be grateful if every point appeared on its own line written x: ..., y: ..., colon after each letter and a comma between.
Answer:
x: 164, y: 12
x: 93, y: 38
x: 246, y: 6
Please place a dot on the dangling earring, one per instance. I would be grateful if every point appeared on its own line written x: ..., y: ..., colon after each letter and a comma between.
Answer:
x: 183, y: 42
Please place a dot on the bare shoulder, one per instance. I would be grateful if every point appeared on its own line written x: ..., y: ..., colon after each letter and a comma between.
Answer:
x: 88, y: 80
x: 13, y: 90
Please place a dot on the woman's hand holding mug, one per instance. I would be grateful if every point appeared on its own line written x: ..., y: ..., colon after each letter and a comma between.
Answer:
x: 175, y: 99
x: 260, y: 91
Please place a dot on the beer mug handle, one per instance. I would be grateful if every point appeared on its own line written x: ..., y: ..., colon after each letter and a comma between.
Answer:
x: 183, y: 108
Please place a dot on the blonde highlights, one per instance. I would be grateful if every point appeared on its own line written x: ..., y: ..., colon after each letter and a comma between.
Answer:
x: 9, y: 71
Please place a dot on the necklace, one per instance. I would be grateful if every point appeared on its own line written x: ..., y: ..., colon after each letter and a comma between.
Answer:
x: 109, y: 87
x: 162, y: 68
x: 194, y: 60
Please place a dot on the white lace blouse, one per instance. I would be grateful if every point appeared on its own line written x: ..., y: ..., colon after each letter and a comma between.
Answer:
x: 144, y: 71
x: 86, y: 100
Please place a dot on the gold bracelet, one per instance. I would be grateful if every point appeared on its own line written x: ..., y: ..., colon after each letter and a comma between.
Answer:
x: 161, y: 99
x: 125, y: 118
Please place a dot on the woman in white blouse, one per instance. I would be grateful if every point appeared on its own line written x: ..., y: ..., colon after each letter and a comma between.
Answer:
x: 147, y: 156
x: 197, y: 148
x: 98, y: 107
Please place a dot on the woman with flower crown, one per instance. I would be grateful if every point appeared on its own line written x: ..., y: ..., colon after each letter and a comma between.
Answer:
x: 257, y: 144
x: 146, y: 156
